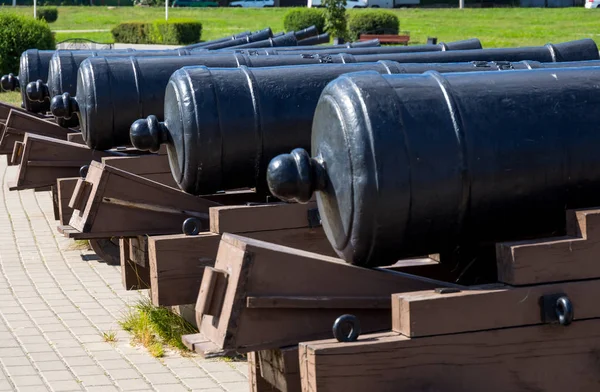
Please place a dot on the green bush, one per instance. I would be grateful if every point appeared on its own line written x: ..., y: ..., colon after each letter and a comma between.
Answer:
x: 173, y: 32
x: 176, y: 31
x: 49, y: 14
x: 132, y: 33
x: 19, y: 33
x: 301, y: 18
x: 372, y: 22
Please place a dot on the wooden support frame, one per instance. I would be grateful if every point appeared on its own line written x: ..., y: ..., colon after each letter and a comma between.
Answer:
x: 154, y: 167
x: 497, y: 337
x: 534, y: 358
x: 177, y: 261
x: 113, y: 203
x: 19, y: 123
x: 264, y: 296
x: 42, y: 160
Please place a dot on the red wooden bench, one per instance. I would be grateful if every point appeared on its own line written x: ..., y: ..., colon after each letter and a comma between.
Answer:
x: 386, y: 38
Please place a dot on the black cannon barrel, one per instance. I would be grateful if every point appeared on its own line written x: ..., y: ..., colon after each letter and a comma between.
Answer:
x: 579, y: 50
x: 308, y: 32
x: 141, y: 85
x: 33, y: 65
x: 288, y: 39
x: 246, y: 116
x: 60, y: 81
x: 258, y: 36
x: 353, y: 50
x: 315, y: 40
x: 62, y: 73
x: 409, y: 165
x: 216, y: 41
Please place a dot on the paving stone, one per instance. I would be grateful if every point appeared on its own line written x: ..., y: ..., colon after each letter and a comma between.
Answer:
x: 230, y: 376
x: 104, y: 388
x: 95, y: 380
x: 170, y: 388
x: 133, y: 385
x: 66, y: 385
x: 241, y: 386
x: 24, y: 381
x: 124, y: 373
x: 51, y: 366
x: 58, y: 375
x: 87, y: 370
x: 20, y: 370
x: 199, y: 383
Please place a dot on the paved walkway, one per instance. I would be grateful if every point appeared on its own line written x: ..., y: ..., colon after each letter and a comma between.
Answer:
x: 55, y: 306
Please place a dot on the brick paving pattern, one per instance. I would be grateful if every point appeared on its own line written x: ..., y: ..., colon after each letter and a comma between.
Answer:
x: 55, y: 304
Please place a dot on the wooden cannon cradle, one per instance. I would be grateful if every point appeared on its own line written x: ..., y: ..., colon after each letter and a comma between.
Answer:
x: 419, y: 334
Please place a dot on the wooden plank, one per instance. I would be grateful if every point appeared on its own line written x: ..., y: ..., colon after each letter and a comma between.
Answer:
x: 255, y: 380
x: 55, y: 202
x: 241, y: 219
x: 76, y: 137
x: 138, y: 250
x: 123, y: 204
x: 534, y: 358
x: 65, y: 188
x: 45, y: 159
x: 554, y: 259
x: 134, y: 277
x: 315, y: 302
x: 19, y: 123
x: 255, y: 268
x: 419, y: 313
x: 281, y: 368
x: 151, y: 166
x: 177, y: 265
x: 177, y: 261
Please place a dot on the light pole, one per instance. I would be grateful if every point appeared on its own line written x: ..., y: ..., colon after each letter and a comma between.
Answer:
x: 461, y: 4
x: 34, y: 9
x: 167, y: 9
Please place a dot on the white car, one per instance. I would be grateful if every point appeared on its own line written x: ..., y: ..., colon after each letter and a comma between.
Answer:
x: 349, y: 3
x: 592, y: 3
x: 252, y: 3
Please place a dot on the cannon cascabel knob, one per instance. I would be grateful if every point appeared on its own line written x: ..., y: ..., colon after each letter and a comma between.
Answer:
x: 37, y: 91
x: 148, y: 134
x: 9, y: 82
x: 295, y: 176
x: 64, y: 106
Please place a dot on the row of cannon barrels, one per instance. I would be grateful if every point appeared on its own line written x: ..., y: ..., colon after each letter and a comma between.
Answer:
x: 409, y: 150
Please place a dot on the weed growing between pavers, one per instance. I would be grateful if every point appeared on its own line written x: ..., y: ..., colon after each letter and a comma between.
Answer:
x: 80, y: 245
x: 109, y: 336
x: 155, y: 327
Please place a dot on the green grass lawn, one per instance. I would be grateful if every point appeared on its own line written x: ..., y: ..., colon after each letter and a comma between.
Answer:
x: 496, y: 27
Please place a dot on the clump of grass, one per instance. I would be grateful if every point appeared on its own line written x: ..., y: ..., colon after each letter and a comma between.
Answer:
x: 155, y: 327
x: 110, y: 336
x: 80, y: 245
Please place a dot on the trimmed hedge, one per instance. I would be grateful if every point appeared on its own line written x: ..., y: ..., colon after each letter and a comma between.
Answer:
x: 301, y: 18
x: 176, y: 31
x: 49, y: 14
x: 372, y: 22
x: 19, y: 33
x: 132, y: 33
x: 173, y: 32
